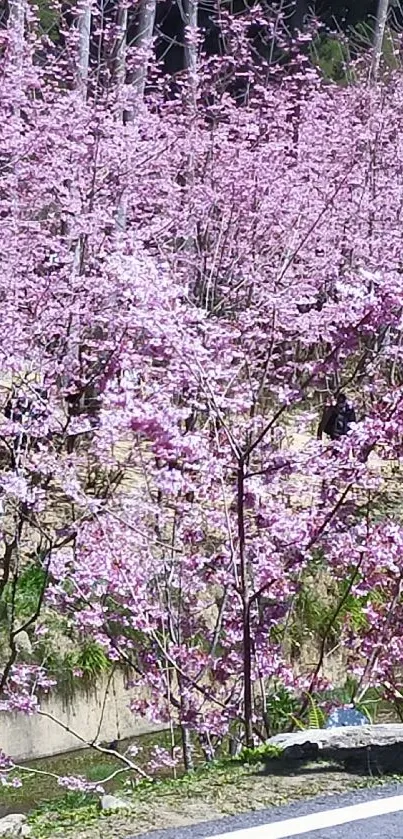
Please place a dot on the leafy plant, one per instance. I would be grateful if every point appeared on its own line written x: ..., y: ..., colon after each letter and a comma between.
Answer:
x: 28, y: 589
x: 281, y: 706
x: 315, y: 718
x: 91, y: 659
x: 261, y: 753
x: 331, y: 56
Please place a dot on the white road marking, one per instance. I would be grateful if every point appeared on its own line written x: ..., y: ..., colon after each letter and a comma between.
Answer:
x: 316, y: 821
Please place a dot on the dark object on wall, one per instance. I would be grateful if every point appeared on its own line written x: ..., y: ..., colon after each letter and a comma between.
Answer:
x: 337, y: 419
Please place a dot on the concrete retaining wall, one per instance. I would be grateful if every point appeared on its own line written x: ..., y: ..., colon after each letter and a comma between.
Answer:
x: 104, y: 709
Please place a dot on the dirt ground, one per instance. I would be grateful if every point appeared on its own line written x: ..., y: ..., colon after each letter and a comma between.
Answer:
x: 211, y: 798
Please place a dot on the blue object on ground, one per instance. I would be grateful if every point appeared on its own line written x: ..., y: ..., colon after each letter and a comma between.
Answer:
x: 346, y: 716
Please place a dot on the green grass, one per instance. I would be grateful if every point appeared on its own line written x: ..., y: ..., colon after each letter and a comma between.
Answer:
x: 73, y: 808
x: 87, y: 763
x: 229, y: 785
x: 49, y: 805
x: 230, y: 788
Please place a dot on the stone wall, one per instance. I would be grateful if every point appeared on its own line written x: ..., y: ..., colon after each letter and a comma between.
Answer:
x: 101, y: 714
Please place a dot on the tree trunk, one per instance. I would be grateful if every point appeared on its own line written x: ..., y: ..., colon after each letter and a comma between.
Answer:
x: 187, y: 749
x: 119, y: 69
x: 190, y: 8
x: 143, y: 45
x: 16, y: 27
x: 246, y: 630
x: 120, y: 80
x: 120, y: 50
x: 83, y: 63
x: 84, y: 30
x: 380, y: 26
x: 16, y: 17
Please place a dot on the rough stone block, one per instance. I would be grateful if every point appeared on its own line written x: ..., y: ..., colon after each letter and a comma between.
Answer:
x: 371, y: 748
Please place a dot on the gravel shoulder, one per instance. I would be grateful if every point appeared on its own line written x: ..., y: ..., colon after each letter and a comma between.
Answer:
x: 206, y: 797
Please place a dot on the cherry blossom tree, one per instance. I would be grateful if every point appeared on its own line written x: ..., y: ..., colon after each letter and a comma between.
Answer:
x: 181, y: 291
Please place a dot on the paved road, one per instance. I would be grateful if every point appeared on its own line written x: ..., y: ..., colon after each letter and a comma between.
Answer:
x: 292, y: 820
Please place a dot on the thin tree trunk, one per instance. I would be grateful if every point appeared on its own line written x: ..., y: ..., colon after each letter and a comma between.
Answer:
x: 190, y: 8
x: 120, y: 78
x: 84, y: 30
x: 16, y: 27
x: 16, y: 18
x: 190, y: 21
x: 83, y: 63
x: 143, y: 45
x: 380, y: 26
x: 189, y: 11
x: 246, y: 630
x: 81, y: 85
x: 187, y: 749
x: 120, y: 49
